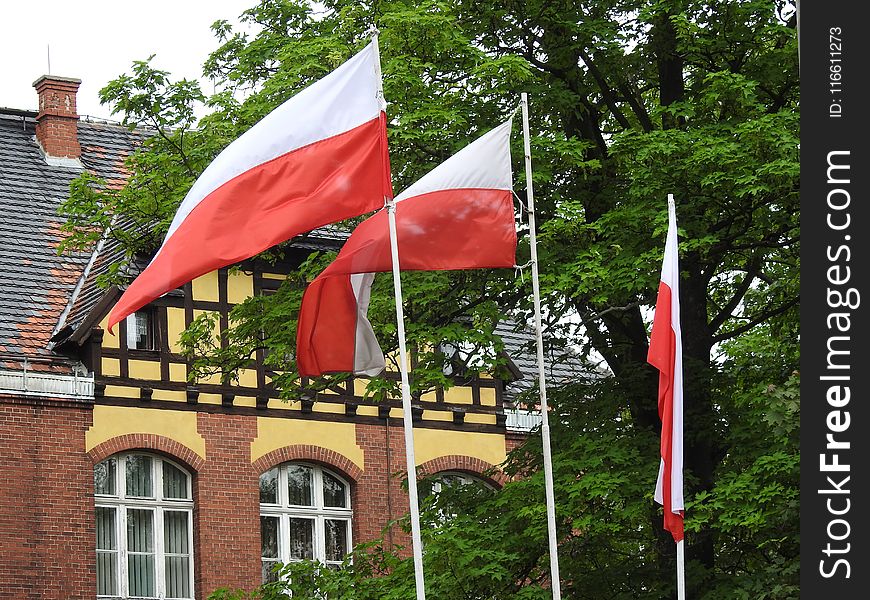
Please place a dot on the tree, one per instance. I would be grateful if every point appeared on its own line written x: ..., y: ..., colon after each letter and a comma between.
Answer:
x: 630, y: 101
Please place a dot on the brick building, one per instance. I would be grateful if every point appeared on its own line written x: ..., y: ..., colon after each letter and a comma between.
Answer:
x: 120, y: 479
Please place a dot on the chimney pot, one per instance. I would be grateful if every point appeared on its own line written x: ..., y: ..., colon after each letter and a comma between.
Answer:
x: 57, y: 120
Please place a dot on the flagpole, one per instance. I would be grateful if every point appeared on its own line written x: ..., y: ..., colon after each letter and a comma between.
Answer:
x: 681, y: 570
x: 542, y: 386
x: 681, y: 549
x: 406, y: 409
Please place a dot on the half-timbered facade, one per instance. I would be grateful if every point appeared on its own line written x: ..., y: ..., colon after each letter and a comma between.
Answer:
x: 119, y: 478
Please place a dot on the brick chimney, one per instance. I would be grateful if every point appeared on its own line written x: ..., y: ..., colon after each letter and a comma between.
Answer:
x: 57, y: 121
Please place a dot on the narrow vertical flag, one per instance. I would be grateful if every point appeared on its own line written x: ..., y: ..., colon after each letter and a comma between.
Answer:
x: 458, y: 216
x: 666, y: 355
x: 318, y: 158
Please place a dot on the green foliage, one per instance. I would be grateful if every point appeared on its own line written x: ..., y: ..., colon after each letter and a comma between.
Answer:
x: 629, y: 102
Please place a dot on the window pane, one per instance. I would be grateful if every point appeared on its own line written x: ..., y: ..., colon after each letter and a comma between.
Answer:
x: 177, y: 577
x: 174, y: 482
x: 334, y: 494
x: 269, y: 487
x: 139, y: 476
x: 107, y: 573
x: 175, y: 532
x: 268, y: 571
x: 105, y: 518
x: 104, y: 477
x: 140, y: 575
x: 299, y: 485
x: 336, y: 539
x: 269, y: 537
x: 301, y: 538
x: 140, y: 530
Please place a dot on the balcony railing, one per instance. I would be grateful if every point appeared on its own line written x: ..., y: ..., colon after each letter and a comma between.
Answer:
x: 32, y: 383
x: 519, y: 419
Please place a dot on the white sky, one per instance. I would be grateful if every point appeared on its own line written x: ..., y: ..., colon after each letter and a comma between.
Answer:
x: 98, y: 40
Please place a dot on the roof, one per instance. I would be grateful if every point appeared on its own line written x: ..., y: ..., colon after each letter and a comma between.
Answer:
x: 560, y: 368
x: 35, y: 282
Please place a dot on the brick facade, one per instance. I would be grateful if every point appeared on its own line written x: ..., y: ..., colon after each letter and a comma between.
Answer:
x: 46, y: 494
x: 46, y: 501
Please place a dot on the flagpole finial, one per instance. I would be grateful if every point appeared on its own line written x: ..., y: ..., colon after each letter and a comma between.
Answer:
x: 373, y: 31
x: 671, y: 200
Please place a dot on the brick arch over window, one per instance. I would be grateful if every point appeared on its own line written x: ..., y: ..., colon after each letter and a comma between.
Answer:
x: 466, y: 464
x: 315, y: 454
x: 148, y: 441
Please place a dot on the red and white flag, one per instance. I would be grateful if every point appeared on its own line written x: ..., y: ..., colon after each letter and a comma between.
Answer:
x: 318, y: 158
x: 460, y: 215
x: 666, y: 355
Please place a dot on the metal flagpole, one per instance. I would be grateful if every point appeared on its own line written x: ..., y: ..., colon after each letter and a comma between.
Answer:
x: 681, y: 549
x: 545, y: 427
x: 406, y: 409
x: 681, y: 570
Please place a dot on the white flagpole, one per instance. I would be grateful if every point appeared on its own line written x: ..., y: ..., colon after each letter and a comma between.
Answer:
x: 406, y: 409
x: 681, y: 549
x: 542, y: 386
x: 681, y: 570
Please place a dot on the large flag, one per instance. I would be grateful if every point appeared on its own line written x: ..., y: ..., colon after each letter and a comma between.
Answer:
x: 458, y: 216
x: 666, y: 355
x: 318, y: 158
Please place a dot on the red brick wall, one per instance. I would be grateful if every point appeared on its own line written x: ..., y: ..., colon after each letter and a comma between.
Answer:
x: 227, y: 506
x: 378, y: 497
x: 46, y: 502
x: 46, y: 496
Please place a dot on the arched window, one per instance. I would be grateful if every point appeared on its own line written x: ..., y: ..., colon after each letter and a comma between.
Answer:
x: 144, y: 526
x: 431, y: 489
x: 305, y: 513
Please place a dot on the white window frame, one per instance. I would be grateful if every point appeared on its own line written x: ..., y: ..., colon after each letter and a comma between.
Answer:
x: 317, y: 512
x: 156, y: 504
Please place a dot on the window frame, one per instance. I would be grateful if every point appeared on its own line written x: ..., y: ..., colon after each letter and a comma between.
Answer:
x: 317, y: 511
x: 158, y: 505
x: 149, y: 313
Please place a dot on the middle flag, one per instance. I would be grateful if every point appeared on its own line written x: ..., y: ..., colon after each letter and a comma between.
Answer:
x: 460, y: 215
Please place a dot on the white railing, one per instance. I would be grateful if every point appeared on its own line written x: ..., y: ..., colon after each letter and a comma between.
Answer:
x: 43, y: 384
x: 519, y: 419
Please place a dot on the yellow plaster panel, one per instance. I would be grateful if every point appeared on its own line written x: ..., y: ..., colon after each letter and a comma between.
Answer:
x: 216, y: 333
x: 367, y: 411
x: 397, y: 413
x: 177, y: 372
x: 109, y: 340
x: 206, y: 287
x: 487, y: 396
x: 144, y: 369
x: 245, y: 401
x: 485, y: 376
x: 430, y: 444
x: 111, y: 366
x: 248, y: 378
x: 210, y: 399
x: 429, y: 397
x: 240, y: 286
x: 437, y: 415
x: 273, y: 434
x: 480, y: 418
x: 278, y: 276
x: 121, y: 391
x: 328, y: 407
x: 113, y: 421
x: 173, y: 395
x: 282, y: 405
x: 458, y: 395
x: 174, y: 327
